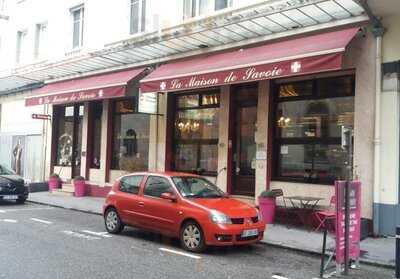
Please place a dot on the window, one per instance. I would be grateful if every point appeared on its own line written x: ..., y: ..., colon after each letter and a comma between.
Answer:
x: 65, y: 131
x: 138, y: 16
x: 96, y: 111
x: 21, y: 54
x: 78, y: 23
x: 130, y: 184
x: 40, y: 40
x: 309, y: 116
x: 196, y: 133
x: 130, y: 137
x: 155, y: 186
x: 197, y: 187
x: 193, y: 8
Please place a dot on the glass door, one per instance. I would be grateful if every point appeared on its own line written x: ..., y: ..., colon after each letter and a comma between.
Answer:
x: 244, y: 145
x: 77, y: 140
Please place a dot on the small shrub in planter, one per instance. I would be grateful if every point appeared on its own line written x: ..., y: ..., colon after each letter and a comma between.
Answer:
x: 79, y: 186
x: 267, y: 204
x: 54, y: 181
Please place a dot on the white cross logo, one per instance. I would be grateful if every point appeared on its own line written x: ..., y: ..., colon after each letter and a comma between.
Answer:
x: 163, y: 85
x: 295, y: 67
x: 101, y: 93
x: 40, y: 101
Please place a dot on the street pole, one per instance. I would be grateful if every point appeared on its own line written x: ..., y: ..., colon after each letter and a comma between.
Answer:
x: 398, y: 253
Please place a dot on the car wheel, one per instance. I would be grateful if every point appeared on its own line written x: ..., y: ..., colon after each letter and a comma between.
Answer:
x: 112, y: 221
x: 192, y: 237
x: 20, y: 200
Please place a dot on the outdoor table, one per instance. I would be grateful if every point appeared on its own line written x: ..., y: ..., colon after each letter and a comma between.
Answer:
x: 304, y: 206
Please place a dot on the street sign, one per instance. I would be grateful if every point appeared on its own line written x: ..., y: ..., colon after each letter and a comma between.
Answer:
x: 41, y: 116
x: 354, y: 190
x: 148, y: 103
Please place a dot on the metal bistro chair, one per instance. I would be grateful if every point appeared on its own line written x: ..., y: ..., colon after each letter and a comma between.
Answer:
x: 288, y: 210
x: 324, y: 216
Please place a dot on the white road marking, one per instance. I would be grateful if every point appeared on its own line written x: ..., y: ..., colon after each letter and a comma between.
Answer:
x: 41, y: 221
x: 9, y: 220
x: 180, y: 253
x: 81, y: 235
x: 27, y: 209
x: 279, y: 277
x: 2, y: 211
x: 102, y: 234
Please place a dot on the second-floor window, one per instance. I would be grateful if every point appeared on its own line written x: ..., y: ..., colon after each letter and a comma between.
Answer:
x: 193, y: 8
x: 138, y: 16
x: 40, y: 40
x: 21, y: 46
x: 78, y: 21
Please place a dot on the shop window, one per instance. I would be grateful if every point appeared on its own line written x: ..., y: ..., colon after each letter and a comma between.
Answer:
x: 96, y: 126
x: 308, y: 129
x: 130, y: 137
x: 196, y: 133
x: 65, y: 130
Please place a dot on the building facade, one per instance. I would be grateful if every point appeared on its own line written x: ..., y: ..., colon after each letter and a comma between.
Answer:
x: 252, y: 95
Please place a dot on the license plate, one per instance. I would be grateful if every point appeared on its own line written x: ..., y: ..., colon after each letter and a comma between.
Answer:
x: 247, y: 233
x: 10, y: 197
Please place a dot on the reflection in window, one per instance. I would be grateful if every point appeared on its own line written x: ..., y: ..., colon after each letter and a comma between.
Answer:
x: 196, y: 133
x: 130, y: 139
x: 156, y: 186
x: 308, y: 129
x: 65, y: 119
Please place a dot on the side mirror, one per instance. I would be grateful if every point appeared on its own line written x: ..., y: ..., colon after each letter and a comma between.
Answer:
x: 168, y: 196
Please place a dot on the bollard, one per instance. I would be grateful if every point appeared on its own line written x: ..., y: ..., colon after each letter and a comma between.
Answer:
x: 398, y: 252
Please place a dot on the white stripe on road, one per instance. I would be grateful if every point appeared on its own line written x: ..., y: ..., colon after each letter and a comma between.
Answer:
x: 279, y: 277
x: 81, y: 235
x: 102, y: 234
x: 8, y: 220
x: 28, y: 209
x: 2, y: 211
x: 180, y: 253
x: 41, y: 221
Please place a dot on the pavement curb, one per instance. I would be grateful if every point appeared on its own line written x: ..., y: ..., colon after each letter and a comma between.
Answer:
x: 316, y: 253
x: 64, y: 207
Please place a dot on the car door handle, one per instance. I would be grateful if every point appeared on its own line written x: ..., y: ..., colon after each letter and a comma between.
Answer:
x: 141, y: 204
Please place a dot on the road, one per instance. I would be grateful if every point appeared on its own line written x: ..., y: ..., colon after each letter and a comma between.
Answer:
x: 43, y: 242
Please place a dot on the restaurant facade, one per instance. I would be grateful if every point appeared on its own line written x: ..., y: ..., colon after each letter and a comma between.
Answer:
x: 251, y: 118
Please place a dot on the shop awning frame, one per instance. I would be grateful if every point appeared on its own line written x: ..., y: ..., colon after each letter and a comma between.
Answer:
x: 261, y: 22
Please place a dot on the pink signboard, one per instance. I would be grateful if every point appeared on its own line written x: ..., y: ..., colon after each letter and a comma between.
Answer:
x: 355, y: 220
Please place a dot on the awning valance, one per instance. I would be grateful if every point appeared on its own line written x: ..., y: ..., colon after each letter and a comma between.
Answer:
x: 96, y: 87
x: 311, y: 54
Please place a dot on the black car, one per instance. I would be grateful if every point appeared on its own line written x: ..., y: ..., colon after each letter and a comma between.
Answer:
x: 12, y: 186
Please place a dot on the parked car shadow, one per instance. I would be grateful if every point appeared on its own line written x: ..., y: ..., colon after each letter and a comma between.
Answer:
x: 8, y: 203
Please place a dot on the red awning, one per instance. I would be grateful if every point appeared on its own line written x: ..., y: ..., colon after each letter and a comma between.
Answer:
x: 84, y: 89
x: 311, y: 54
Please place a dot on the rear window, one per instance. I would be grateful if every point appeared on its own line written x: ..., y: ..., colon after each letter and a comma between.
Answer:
x: 130, y: 184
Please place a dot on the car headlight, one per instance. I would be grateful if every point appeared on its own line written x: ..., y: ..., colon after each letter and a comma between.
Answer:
x: 219, y: 217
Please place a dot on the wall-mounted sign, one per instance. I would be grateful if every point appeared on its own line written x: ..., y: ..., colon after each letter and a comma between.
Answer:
x: 148, y: 103
x: 41, y: 116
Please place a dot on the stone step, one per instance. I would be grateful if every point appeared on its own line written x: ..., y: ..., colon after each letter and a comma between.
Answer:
x: 68, y: 188
x: 60, y: 192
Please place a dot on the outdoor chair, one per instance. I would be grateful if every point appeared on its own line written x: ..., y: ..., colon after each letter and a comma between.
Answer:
x: 290, y: 213
x: 324, y: 216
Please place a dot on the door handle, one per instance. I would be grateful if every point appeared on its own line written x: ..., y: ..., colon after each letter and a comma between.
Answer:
x: 141, y: 204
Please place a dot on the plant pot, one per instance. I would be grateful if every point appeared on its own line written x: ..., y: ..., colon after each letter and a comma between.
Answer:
x: 54, y: 183
x: 267, y: 209
x: 79, y: 188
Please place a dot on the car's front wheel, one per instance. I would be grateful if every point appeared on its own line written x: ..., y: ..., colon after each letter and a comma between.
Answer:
x: 192, y: 237
x: 113, y: 222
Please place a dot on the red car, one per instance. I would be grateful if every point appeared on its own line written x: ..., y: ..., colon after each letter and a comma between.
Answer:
x: 181, y: 205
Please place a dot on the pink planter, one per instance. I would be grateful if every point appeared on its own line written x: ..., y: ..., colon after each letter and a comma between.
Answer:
x: 79, y: 187
x: 54, y: 183
x: 267, y: 209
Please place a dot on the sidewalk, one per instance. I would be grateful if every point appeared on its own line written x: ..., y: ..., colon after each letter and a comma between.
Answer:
x: 379, y: 251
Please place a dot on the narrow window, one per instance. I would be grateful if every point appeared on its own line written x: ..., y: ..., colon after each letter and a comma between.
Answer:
x: 40, y: 40
x: 78, y: 21
x: 21, y: 44
x: 138, y: 16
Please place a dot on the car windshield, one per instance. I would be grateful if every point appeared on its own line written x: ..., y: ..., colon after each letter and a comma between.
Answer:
x: 197, y: 187
x: 5, y: 171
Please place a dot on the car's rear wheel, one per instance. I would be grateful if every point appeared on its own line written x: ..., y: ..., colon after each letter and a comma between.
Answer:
x: 20, y: 200
x: 192, y: 237
x: 112, y: 221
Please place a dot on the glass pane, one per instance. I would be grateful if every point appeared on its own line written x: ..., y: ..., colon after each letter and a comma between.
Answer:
x: 65, y: 135
x: 143, y: 17
x: 125, y: 106
x: 188, y: 101
x: 130, y: 184
x: 96, y: 126
x: 76, y: 34
x: 210, y: 99
x: 296, y: 89
x: 197, y: 124
x: 329, y: 163
x: 204, y: 6
x: 314, y: 118
x: 221, y: 4
x: 295, y: 160
x: 131, y: 142
x: 186, y: 157
x: 247, y: 148
x: 187, y: 9
x: 208, y: 157
x: 335, y: 86
x: 155, y: 186
x: 69, y: 111
x: 134, y: 16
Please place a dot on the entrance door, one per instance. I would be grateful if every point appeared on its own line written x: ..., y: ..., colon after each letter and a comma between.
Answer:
x: 243, y: 139
x: 78, y: 111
